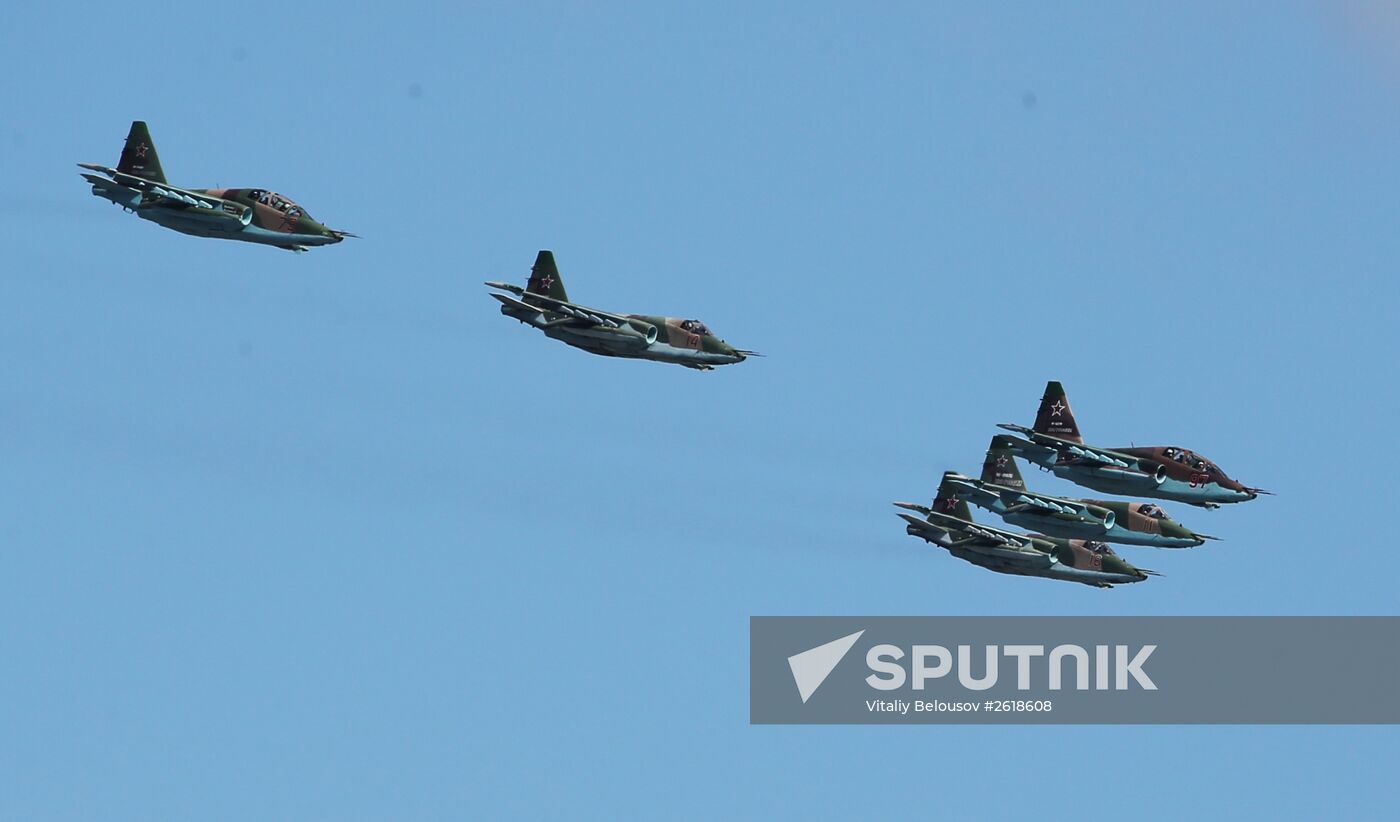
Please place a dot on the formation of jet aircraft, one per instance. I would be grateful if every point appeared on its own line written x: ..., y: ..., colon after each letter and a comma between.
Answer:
x: 252, y: 215
x: 1071, y: 535
x: 1001, y: 491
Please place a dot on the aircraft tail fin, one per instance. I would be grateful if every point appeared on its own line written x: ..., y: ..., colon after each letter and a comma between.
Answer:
x: 948, y: 503
x: 139, y: 157
x: 544, y: 278
x: 1055, y: 417
x: 999, y: 468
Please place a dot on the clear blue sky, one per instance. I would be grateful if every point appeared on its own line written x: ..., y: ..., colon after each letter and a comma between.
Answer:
x: 326, y: 537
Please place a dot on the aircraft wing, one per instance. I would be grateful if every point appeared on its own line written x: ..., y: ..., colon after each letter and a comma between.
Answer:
x: 1086, y: 453
x: 1004, y: 546
x: 168, y: 194
x: 1017, y: 501
x: 981, y: 533
x: 109, y: 185
x: 574, y: 314
x: 518, y: 305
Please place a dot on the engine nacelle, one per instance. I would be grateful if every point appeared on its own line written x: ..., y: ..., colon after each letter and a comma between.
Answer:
x: 1104, y: 515
x: 644, y: 330
x: 241, y: 213
x: 1155, y: 470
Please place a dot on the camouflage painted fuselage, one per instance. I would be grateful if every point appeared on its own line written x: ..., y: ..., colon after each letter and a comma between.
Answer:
x: 1032, y: 555
x: 1075, y: 563
x: 1106, y: 520
x: 646, y: 338
x: 229, y: 214
x: 1155, y: 475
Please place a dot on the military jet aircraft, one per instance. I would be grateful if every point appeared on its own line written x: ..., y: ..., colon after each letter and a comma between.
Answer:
x: 1002, y: 492
x: 544, y: 304
x: 1162, y: 472
x: 949, y: 524
x: 253, y: 215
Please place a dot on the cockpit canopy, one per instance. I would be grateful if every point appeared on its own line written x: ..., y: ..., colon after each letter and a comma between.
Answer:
x: 277, y: 201
x: 1097, y: 547
x: 1192, y: 460
x: 1147, y: 509
x: 695, y: 327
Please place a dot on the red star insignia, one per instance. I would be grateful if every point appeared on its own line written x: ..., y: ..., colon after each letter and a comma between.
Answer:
x: 141, y: 149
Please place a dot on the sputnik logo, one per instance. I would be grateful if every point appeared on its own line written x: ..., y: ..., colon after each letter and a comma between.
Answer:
x: 811, y: 667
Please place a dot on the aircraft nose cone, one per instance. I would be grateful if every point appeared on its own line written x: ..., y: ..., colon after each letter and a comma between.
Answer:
x: 1174, y: 530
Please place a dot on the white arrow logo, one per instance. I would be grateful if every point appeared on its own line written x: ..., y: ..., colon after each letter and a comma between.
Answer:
x: 811, y: 668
